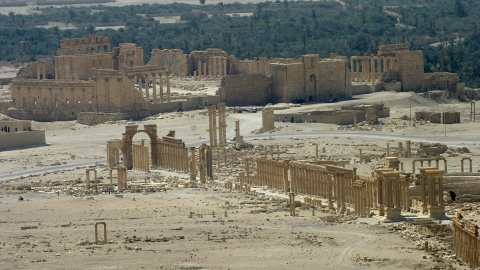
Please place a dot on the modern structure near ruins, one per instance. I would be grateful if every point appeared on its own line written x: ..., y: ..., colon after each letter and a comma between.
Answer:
x: 92, y: 83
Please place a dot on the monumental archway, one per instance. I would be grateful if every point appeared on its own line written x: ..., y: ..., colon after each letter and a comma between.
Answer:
x: 130, y: 131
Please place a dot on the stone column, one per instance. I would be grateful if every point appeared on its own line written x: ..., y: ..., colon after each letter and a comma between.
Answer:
x: 400, y: 150
x: 38, y: 71
x: 329, y: 187
x: 372, y: 69
x: 408, y: 152
x: 139, y: 82
x: 214, y: 64
x: 147, y: 90
x: 388, y: 149
x: 238, y: 137
x: 161, y: 88
x: 224, y: 66
x: 154, y: 86
x: 200, y: 68
x: 212, y: 126
x: 168, y: 87
x: 205, y: 70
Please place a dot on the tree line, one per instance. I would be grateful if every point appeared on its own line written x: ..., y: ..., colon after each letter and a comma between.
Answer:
x: 286, y: 29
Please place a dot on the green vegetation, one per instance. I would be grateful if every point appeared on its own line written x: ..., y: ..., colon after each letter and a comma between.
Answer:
x: 276, y: 29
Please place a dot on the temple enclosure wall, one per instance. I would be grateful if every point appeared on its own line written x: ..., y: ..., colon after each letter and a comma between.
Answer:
x: 246, y: 89
x: 173, y: 60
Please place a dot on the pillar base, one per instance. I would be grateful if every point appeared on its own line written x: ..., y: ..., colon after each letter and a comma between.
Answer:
x: 391, y: 215
x: 437, y: 212
x: 381, y: 210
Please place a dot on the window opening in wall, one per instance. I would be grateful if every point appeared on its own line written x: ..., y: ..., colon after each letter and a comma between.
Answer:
x: 15, y: 129
x: 8, y: 129
x: 29, y: 129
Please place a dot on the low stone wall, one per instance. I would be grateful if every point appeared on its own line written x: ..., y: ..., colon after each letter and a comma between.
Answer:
x: 359, y: 89
x: 20, y: 139
x: 95, y: 118
x: 341, y: 117
x: 42, y: 115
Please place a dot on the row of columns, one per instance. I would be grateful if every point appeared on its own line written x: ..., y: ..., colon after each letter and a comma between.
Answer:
x: 205, y: 163
x: 216, y: 67
x: 466, y: 241
x: 140, y: 157
x: 431, y: 188
x: 121, y: 175
x: 173, y: 156
x: 272, y: 173
x: 222, y: 125
x: 370, y: 68
x: 152, y: 77
x: 429, y: 160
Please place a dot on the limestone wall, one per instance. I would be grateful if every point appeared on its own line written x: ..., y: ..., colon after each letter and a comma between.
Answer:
x: 248, y: 89
x: 441, y: 81
x: 410, y: 70
x: 52, y: 94
x: 382, y: 111
x: 359, y: 89
x: 79, y: 67
x: 173, y: 60
x: 20, y: 139
x: 30, y: 70
x: 288, y: 83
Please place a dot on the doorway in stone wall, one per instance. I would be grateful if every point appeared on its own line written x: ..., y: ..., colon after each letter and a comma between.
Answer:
x: 312, y: 88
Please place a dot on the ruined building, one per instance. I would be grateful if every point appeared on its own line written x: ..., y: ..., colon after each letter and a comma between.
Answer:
x: 92, y: 83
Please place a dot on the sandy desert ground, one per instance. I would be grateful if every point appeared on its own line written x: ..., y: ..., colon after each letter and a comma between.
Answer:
x: 149, y: 230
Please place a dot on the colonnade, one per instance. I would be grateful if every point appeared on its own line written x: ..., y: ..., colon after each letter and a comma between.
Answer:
x: 173, y: 154
x: 392, y: 193
x: 466, y: 241
x: 140, y: 157
x: 113, y: 152
x: 431, y: 188
x: 221, y: 140
x: 205, y: 163
x: 216, y: 67
x: 147, y: 77
x: 429, y: 160
x: 121, y: 175
x: 370, y: 68
x: 272, y: 173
